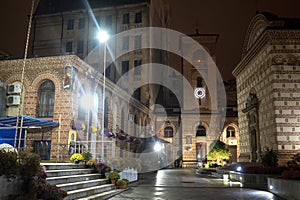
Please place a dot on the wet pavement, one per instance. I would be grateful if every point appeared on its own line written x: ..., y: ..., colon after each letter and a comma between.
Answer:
x: 185, y: 184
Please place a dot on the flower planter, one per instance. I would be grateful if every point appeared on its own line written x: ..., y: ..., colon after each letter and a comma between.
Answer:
x: 285, y: 188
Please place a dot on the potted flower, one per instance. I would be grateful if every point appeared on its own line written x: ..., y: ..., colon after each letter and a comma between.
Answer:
x: 113, y: 177
x: 122, y: 183
x: 77, y: 158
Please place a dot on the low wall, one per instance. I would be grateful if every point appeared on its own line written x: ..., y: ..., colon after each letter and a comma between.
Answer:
x: 285, y: 188
x: 259, y: 181
x: 7, y: 188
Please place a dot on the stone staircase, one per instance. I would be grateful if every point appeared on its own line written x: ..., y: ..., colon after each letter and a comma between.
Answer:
x: 79, y: 182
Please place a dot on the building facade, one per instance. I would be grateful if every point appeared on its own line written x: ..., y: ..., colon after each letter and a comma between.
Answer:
x: 268, y: 88
x: 56, y: 88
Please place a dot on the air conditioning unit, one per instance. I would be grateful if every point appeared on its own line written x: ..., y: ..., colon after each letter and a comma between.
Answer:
x: 14, y: 88
x: 13, y: 100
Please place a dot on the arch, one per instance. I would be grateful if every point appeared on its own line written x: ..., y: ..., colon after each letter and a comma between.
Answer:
x: 49, y: 76
x: 46, y: 96
x: 257, y: 25
x: 230, y: 131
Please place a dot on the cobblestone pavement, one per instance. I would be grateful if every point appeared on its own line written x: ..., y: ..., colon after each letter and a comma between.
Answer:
x: 185, y: 184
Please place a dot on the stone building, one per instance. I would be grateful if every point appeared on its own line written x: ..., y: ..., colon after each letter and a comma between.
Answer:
x: 195, y: 120
x: 55, y: 89
x: 268, y: 88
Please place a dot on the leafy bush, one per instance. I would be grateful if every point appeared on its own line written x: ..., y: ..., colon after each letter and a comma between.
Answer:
x: 269, y: 158
x: 32, y: 174
x: 113, y: 175
x: 87, y: 156
x: 122, y: 182
x: 218, y: 152
x: 291, y: 174
x: 8, y: 164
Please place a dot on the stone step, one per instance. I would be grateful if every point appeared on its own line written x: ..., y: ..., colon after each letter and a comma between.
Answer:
x: 67, y: 172
x: 103, y: 195
x: 86, y: 192
x: 82, y: 184
x: 58, y: 166
x: 72, y: 178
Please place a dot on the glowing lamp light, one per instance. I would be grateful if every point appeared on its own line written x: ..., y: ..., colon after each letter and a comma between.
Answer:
x: 271, y: 187
x: 102, y: 36
x: 239, y: 169
x: 157, y: 146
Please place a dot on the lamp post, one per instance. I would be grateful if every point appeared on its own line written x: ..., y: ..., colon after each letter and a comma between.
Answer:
x: 103, y: 37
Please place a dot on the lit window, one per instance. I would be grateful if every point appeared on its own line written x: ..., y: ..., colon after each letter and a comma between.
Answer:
x: 230, y: 132
x: 46, y: 93
x: 168, y: 132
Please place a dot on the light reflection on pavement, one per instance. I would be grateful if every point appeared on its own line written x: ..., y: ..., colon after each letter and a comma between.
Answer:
x: 173, y: 184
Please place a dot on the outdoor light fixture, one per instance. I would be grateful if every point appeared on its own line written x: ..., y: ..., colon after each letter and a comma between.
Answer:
x: 102, y: 36
x: 239, y: 169
x: 157, y: 146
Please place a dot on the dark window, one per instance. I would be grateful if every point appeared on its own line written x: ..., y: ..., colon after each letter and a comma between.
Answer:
x: 137, y: 69
x: 126, y: 18
x: 107, y: 71
x: 80, y: 46
x: 138, y: 17
x: 125, y: 43
x: 138, y: 42
x: 199, y: 82
x: 125, y: 67
x: 46, y: 93
x: 70, y: 24
x: 69, y: 47
x: 105, y: 114
x: 108, y: 21
x: 230, y: 132
x: 137, y: 94
x: 81, y: 23
x: 168, y: 132
x: 201, y: 131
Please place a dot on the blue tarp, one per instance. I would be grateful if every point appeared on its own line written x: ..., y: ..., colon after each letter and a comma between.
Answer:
x: 8, y: 136
x: 8, y: 126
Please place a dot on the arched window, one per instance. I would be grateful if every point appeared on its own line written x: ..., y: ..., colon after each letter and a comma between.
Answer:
x: 230, y: 132
x: 168, y: 132
x: 46, y: 93
x: 201, y: 131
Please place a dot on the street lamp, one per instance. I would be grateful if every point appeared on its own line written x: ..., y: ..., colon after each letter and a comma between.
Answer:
x: 103, y: 37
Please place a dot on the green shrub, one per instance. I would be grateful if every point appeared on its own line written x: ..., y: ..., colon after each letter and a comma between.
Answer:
x: 113, y: 175
x: 8, y: 164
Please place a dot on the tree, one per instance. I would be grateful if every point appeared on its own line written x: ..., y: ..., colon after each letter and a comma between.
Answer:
x: 218, y: 152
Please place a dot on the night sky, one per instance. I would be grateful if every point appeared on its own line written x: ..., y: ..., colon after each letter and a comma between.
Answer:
x: 228, y: 18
